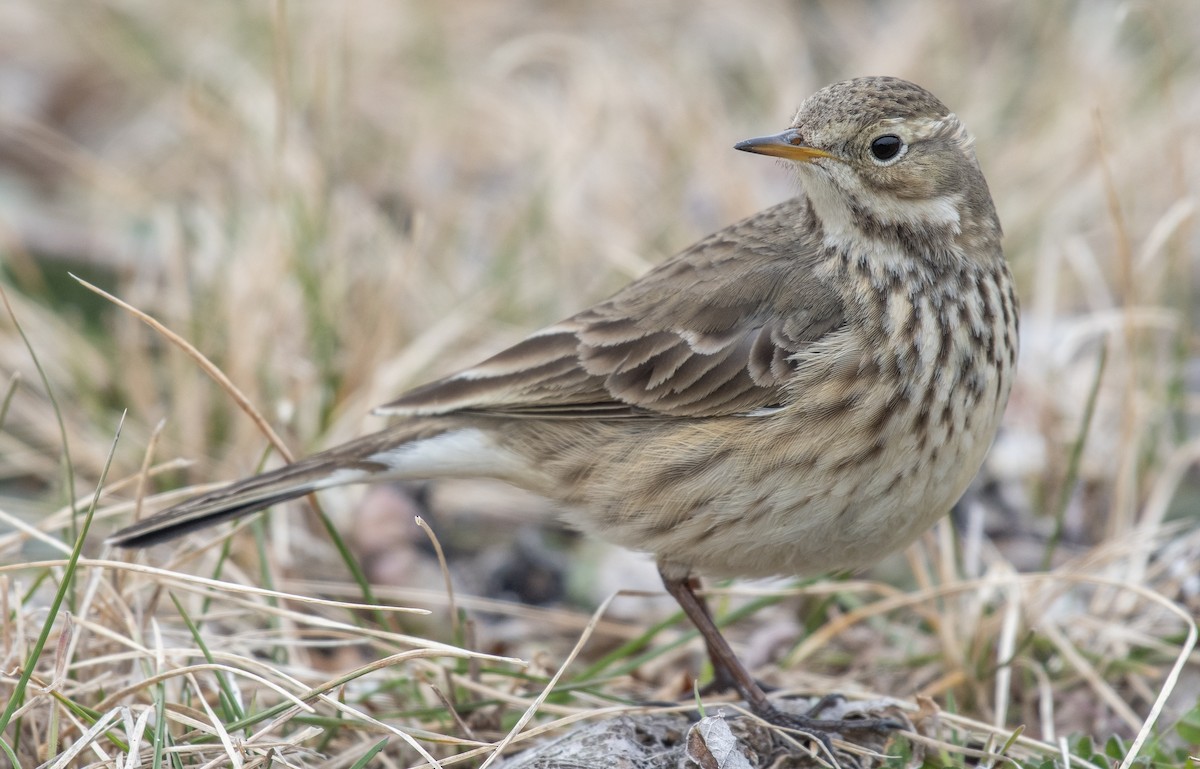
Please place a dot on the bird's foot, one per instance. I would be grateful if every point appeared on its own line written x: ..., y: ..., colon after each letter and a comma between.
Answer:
x: 823, y: 730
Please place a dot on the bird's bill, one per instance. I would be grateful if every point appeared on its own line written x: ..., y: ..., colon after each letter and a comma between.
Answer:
x: 787, y: 145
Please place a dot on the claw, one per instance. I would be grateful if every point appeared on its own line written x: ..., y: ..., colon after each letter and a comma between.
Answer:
x: 825, y: 703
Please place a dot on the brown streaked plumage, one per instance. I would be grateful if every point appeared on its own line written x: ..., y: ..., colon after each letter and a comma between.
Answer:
x: 807, y: 389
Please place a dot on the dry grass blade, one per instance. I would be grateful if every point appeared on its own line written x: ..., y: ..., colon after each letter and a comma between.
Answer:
x: 191, y: 581
x: 92, y: 734
x: 532, y: 710
x: 203, y: 362
x: 455, y: 629
x: 336, y: 202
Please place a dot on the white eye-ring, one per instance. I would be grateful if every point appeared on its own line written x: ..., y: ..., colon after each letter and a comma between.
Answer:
x: 887, y: 149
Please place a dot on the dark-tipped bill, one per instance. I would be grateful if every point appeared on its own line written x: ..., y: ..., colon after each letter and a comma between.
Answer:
x: 786, y: 145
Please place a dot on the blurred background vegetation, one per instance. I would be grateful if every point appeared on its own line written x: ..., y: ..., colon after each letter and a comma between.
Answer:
x: 335, y: 201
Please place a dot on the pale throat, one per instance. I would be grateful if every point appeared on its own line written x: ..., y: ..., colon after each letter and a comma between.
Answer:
x: 839, y: 200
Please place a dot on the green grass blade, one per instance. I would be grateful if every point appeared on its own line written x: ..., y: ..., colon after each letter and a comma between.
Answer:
x: 18, y: 695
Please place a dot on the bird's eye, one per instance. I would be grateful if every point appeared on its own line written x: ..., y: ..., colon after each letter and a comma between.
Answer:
x: 886, y: 147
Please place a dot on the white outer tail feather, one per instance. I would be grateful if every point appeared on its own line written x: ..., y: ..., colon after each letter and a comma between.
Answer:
x: 387, y: 455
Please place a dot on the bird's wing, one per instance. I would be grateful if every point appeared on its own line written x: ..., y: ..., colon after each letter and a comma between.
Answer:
x: 712, y: 331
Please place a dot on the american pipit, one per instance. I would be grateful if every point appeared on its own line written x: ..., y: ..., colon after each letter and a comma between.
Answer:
x: 806, y: 390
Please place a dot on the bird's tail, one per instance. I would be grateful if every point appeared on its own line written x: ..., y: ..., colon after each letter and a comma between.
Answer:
x: 372, y: 457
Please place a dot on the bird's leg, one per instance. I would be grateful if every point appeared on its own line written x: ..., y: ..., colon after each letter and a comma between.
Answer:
x: 727, y: 668
x: 723, y: 658
x: 724, y: 678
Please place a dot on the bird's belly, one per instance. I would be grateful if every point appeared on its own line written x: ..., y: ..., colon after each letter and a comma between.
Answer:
x: 858, y: 516
x: 787, y: 501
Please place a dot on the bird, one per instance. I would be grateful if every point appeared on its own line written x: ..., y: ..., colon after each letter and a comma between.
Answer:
x: 806, y: 390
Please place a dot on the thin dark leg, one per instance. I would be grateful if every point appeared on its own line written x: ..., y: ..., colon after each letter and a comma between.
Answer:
x: 726, y: 665
x: 723, y: 658
x: 724, y: 679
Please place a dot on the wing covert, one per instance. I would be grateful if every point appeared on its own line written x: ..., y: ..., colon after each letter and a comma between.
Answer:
x: 710, y: 332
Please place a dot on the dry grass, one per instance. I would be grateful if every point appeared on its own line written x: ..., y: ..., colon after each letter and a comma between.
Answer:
x: 335, y: 201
